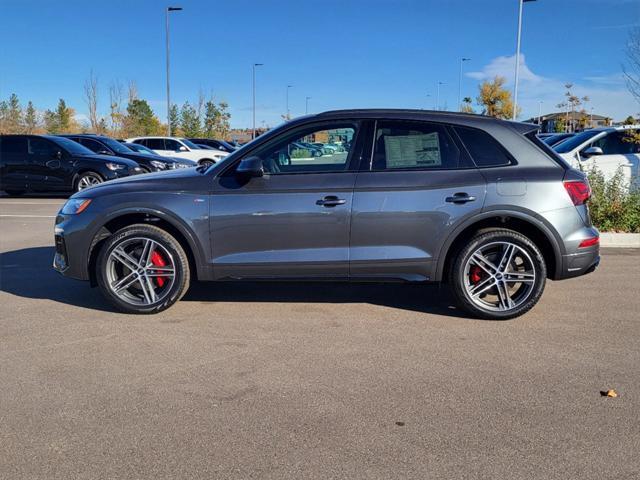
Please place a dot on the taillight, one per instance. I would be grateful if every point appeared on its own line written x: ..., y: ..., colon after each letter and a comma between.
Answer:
x: 578, y: 190
x: 589, y: 242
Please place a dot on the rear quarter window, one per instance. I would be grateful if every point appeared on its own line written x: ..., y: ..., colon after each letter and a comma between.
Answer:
x: 485, y: 150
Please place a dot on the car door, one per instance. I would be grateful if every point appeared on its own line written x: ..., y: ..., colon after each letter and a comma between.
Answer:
x: 619, y: 152
x: 418, y: 184
x: 45, y: 165
x: 13, y: 162
x: 294, y: 221
x: 157, y: 145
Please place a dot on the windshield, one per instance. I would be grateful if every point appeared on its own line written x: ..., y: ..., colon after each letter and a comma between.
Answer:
x: 70, y: 146
x: 574, y: 142
x: 136, y: 147
x: 115, y: 145
x: 190, y: 144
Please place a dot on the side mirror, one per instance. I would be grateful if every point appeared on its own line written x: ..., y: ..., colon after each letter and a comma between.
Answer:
x: 57, y: 155
x: 591, y: 151
x: 104, y: 152
x: 250, y: 167
x: 182, y: 148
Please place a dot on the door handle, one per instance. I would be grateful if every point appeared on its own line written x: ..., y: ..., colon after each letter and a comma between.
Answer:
x: 331, y: 201
x: 460, y: 197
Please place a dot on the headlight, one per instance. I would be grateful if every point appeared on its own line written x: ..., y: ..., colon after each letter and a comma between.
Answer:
x: 158, y: 165
x: 75, y: 205
x: 116, y: 166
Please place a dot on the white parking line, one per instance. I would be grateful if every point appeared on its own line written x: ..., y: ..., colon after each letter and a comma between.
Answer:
x: 30, y: 216
x: 30, y: 203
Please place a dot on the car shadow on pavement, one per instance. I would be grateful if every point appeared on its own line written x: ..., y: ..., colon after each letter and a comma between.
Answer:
x: 28, y: 273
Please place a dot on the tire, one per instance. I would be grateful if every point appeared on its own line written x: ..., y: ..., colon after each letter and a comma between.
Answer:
x: 205, y: 162
x: 86, y: 180
x: 136, y: 296
x: 14, y: 193
x: 487, y: 286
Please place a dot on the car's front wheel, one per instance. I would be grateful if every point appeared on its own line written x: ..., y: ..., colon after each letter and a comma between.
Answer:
x: 499, y: 274
x: 142, y: 269
x: 87, y: 179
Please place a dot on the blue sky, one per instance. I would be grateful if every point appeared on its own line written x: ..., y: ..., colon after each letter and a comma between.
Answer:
x: 341, y: 53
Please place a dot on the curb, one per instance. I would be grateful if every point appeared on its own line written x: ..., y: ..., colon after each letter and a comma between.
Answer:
x: 619, y: 240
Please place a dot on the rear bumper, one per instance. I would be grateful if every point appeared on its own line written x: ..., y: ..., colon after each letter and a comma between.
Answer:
x: 580, y: 263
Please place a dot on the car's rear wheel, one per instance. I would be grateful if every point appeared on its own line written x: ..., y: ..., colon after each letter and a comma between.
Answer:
x: 87, y: 179
x: 142, y: 269
x: 499, y: 274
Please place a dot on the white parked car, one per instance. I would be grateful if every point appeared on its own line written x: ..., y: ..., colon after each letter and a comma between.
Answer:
x: 608, y: 149
x: 180, y: 147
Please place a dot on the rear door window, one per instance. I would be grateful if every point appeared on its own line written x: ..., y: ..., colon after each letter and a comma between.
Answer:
x: 410, y: 145
x: 485, y: 150
x: 155, y: 143
x: 13, y: 145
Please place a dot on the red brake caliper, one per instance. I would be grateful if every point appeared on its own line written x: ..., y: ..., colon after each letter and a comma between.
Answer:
x: 475, y: 274
x: 158, y: 261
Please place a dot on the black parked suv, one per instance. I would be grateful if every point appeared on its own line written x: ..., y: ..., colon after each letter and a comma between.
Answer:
x: 217, y: 144
x: 46, y: 163
x: 108, y: 146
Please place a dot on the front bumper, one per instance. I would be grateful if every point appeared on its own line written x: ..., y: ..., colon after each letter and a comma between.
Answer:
x: 71, y: 257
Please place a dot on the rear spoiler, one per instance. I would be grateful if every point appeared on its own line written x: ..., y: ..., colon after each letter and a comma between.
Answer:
x: 523, y: 128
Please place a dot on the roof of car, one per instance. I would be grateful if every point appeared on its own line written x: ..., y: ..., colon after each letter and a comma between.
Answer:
x: 434, y: 115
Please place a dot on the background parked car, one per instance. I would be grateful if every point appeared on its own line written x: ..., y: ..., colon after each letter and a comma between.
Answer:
x: 46, y: 163
x: 217, y: 144
x: 109, y: 146
x: 608, y: 149
x: 556, y: 138
x: 181, y: 148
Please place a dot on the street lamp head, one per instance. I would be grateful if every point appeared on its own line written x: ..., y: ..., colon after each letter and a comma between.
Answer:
x: 258, y: 64
x: 174, y: 9
x: 465, y: 59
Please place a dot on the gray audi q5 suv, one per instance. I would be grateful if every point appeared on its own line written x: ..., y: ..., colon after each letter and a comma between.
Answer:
x: 418, y: 196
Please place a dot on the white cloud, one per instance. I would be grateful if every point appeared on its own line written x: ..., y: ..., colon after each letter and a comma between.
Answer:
x: 607, y: 93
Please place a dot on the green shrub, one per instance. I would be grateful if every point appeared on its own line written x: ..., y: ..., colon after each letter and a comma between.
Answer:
x: 300, y: 153
x: 613, y: 207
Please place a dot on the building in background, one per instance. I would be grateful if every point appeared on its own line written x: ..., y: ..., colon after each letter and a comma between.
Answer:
x: 570, y: 121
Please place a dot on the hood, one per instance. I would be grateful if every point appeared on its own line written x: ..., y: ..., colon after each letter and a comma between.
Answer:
x: 107, y: 159
x: 156, y: 181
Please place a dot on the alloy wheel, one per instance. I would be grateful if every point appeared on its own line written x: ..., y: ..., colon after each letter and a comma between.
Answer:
x: 140, y: 271
x: 87, y: 181
x: 499, y: 276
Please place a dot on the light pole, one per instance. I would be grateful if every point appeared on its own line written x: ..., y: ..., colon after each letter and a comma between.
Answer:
x: 462, y: 60
x: 253, y: 131
x: 438, y: 96
x: 515, y: 86
x: 166, y: 12
x: 306, y: 105
x: 288, y: 114
x: 539, y: 113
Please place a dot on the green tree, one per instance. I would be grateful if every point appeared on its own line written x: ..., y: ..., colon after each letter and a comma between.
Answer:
x: 174, y: 119
x: 216, y: 120
x: 61, y: 120
x: 13, y: 122
x: 559, y: 126
x: 140, y: 119
x: 30, y: 118
x: 189, y: 121
x: 4, y: 108
x: 495, y: 99
x: 467, y: 106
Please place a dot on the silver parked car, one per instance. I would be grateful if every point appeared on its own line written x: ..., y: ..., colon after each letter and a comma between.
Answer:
x: 479, y: 203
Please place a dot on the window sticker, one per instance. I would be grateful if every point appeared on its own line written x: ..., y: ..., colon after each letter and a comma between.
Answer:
x: 407, y: 151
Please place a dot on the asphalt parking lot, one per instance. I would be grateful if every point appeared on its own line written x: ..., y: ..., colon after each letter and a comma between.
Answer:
x: 311, y: 381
